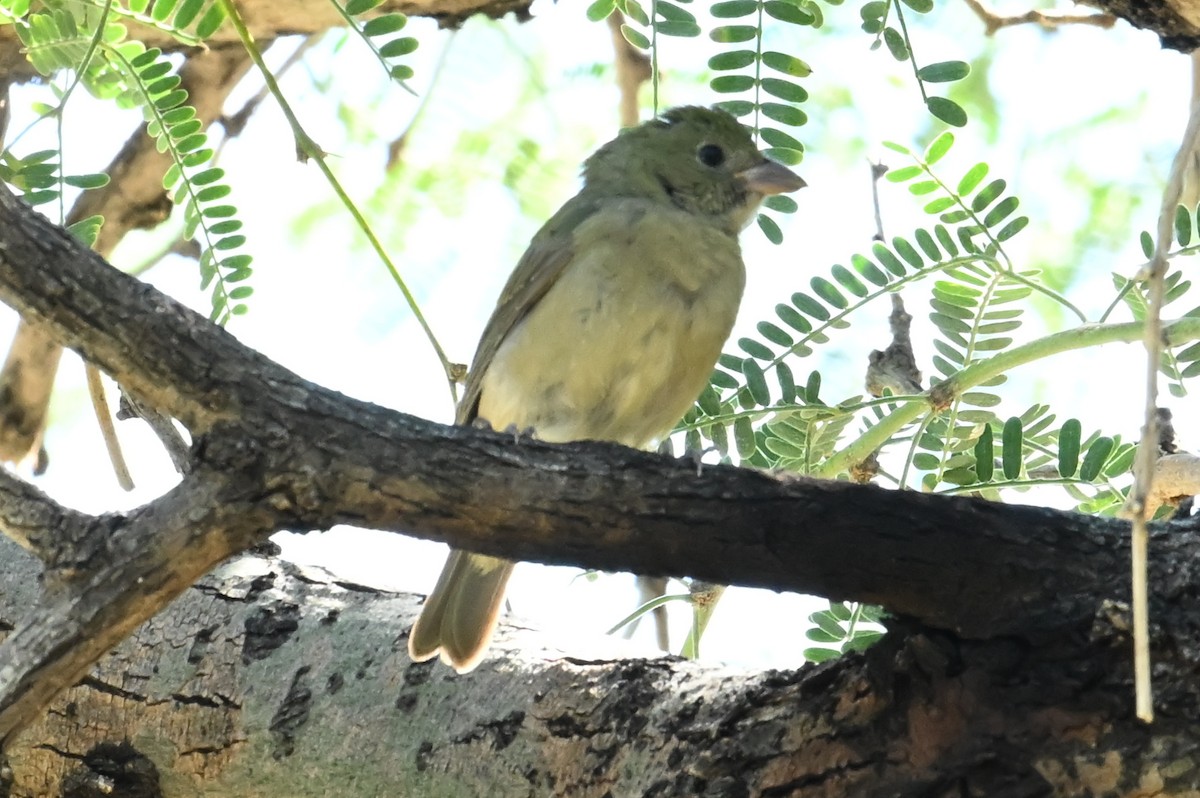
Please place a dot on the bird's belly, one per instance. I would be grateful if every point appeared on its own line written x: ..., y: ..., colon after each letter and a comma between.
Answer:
x: 595, y: 362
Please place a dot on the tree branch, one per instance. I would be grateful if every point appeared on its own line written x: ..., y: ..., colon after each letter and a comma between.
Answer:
x: 272, y: 451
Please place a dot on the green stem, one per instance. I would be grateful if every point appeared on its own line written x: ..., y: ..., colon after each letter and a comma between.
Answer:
x: 941, y: 395
x: 309, y: 148
x: 912, y: 58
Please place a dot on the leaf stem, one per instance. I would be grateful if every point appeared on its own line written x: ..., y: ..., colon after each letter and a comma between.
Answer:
x: 1082, y: 337
x: 309, y: 148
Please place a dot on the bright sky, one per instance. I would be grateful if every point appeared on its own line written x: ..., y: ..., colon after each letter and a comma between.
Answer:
x: 325, y: 308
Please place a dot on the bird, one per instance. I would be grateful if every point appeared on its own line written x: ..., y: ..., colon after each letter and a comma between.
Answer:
x: 611, y: 323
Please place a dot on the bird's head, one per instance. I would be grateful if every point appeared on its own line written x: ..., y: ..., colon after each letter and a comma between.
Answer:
x: 701, y: 160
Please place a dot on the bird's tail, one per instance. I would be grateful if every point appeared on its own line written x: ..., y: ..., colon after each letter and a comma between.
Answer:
x: 461, y: 613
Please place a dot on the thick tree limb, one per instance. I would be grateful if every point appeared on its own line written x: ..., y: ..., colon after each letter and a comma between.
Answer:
x: 273, y: 451
x: 265, y: 680
x: 134, y: 199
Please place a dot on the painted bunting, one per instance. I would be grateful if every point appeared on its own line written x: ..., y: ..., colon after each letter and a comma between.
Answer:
x: 611, y: 323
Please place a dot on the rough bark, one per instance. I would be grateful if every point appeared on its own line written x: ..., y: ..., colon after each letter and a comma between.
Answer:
x: 265, y: 681
x: 1007, y: 678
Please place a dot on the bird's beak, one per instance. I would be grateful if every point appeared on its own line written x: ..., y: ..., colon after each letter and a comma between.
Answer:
x: 768, y: 178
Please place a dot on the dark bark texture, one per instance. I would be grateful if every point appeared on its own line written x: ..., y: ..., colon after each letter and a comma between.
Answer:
x: 1006, y: 672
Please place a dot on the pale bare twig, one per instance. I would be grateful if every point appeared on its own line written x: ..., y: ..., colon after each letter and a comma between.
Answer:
x: 633, y: 69
x: 1048, y: 19
x: 1137, y: 505
x: 107, y: 429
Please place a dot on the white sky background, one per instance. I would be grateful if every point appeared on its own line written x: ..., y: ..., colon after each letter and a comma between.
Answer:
x: 327, y: 309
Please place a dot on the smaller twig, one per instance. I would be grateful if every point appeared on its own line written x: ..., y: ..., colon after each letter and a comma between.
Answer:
x: 704, y: 596
x: 161, y: 425
x: 107, y: 429
x: 632, y: 68
x: 895, y: 368
x: 1048, y: 20
x: 1137, y: 504
x: 878, y: 170
x: 306, y: 148
x: 235, y: 123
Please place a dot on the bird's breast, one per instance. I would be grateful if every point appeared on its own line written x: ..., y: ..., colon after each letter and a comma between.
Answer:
x: 626, y: 338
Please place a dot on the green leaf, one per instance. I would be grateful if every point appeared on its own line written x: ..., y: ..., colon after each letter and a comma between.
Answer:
x: 398, y: 47
x: 905, y: 250
x: 743, y: 437
x: 86, y: 230
x: 728, y: 84
x: 972, y: 178
x: 872, y: 272
x: 770, y: 229
x: 828, y: 291
x: 848, y: 281
x: 903, y: 174
x: 927, y: 245
x: 211, y: 21
x: 679, y: 28
x: 1012, y: 228
x: 920, y: 6
x: 944, y: 71
x: 87, y: 181
x: 946, y: 110
x: 187, y: 13
x: 806, y: 304
x: 1095, y: 458
x: 388, y: 23
x: 1002, y: 210
x: 755, y: 349
x: 734, y: 59
x: 781, y: 203
x: 634, y: 10
x: 895, y: 44
x: 1183, y: 226
x: 733, y: 9
x: 236, y: 262
x: 787, y: 383
x: 793, y: 318
x: 146, y: 58
x: 784, y: 89
x: 1147, y: 243
x: 784, y: 114
x: 875, y: 9
x: 988, y: 195
x: 774, y: 334
x: 635, y: 37
x: 1068, y: 448
x: 756, y: 382
x: 162, y: 9
x: 1011, y: 443
x: 985, y: 456
x: 939, y: 147
x: 600, y: 9
x: 787, y: 64
x: 939, y: 204
x: 727, y: 34
x: 812, y: 388
x: 356, y: 7
x: 787, y: 12
x: 737, y: 108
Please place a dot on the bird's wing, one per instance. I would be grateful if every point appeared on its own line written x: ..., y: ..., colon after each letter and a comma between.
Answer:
x: 539, y: 268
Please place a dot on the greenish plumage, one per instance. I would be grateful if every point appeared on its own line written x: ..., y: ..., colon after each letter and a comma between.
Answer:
x: 611, y: 322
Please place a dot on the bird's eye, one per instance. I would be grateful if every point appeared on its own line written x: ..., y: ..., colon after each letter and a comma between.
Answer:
x: 710, y: 155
